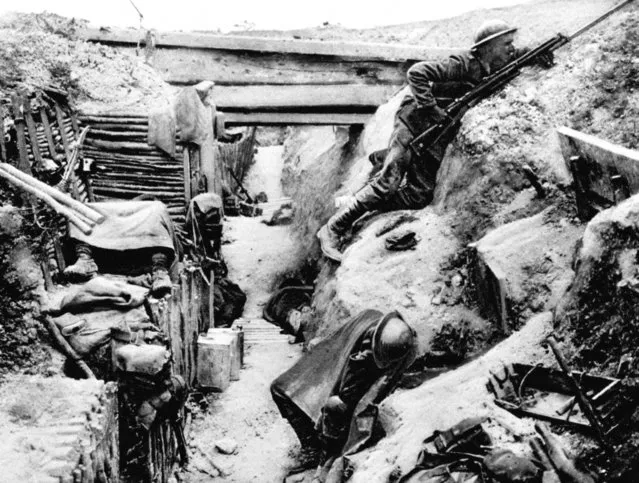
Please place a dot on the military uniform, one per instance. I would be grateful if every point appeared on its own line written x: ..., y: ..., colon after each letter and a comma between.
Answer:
x: 319, y: 394
x: 405, y: 182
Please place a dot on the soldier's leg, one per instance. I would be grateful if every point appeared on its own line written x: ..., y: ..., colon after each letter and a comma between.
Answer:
x: 419, y: 188
x: 85, y: 267
x: 373, y: 196
x: 161, y: 281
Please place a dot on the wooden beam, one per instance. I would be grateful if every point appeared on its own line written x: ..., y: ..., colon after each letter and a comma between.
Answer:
x: 604, y: 173
x: 289, y: 118
x: 366, y: 50
x: 599, y: 147
x: 183, y: 65
x: 287, y: 96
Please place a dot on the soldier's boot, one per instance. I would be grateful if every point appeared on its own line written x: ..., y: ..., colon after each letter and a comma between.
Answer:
x: 309, y: 457
x: 161, y: 284
x: 84, y: 267
x: 331, y: 233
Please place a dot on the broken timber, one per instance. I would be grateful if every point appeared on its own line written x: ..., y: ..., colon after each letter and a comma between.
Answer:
x: 604, y: 173
x: 278, y: 81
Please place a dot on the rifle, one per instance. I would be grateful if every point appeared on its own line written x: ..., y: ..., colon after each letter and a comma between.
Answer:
x: 240, y: 185
x: 494, y: 83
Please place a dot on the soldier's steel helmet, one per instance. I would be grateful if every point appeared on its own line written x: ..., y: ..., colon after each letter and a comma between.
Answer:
x: 393, y: 340
x: 489, y: 30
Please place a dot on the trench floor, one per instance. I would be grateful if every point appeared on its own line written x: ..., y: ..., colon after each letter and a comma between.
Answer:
x: 245, y: 412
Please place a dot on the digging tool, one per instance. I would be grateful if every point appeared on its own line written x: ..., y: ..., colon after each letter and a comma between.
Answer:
x: 495, y: 83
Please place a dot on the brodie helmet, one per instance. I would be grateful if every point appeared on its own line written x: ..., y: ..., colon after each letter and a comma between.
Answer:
x: 393, y: 340
x: 489, y: 30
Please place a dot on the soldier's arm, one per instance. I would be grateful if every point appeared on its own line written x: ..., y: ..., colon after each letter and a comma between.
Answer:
x: 422, y: 74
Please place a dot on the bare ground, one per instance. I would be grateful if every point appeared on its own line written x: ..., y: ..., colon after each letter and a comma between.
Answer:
x: 256, y: 256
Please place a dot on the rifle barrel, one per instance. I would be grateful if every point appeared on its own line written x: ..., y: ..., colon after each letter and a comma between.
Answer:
x: 599, y: 19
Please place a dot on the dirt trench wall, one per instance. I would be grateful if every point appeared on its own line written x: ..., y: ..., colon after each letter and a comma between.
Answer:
x: 480, y: 184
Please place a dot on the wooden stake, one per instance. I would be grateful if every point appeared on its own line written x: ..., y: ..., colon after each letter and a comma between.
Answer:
x: 57, y: 248
x: 47, y: 132
x: 65, y: 141
x: 16, y: 103
x: 3, y: 149
x: 33, y: 136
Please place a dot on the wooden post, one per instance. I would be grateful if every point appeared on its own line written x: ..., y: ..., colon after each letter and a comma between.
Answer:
x: 65, y: 142
x: 23, y: 162
x: 3, y: 149
x: 47, y: 132
x: 212, y: 299
x: 33, y: 133
x: 207, y: 158
x: 194, y: 167
x: 46, y: 273
x: 57, y: 247
x: 187, y: 178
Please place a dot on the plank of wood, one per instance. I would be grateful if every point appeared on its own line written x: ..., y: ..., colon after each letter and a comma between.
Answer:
x: 287, y: 96
x: 31, y: 129
x: 23, y: 162
x: 47, y: 132
x: 368, y: 50
x: 187, y: 177
x: 74, y: 123
x: 115, y: 127
x: 289, y: 118
x: 121, y: 146
x: 3, y: 149
x: 65, y: 140
x: 605, y: 169
x: 110, y: 119
x: 186, y: 66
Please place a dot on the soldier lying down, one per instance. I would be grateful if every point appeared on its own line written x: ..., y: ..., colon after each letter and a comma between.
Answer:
x: 137, y: 234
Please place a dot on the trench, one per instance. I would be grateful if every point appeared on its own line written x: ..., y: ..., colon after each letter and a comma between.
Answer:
x: 245, y: 413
